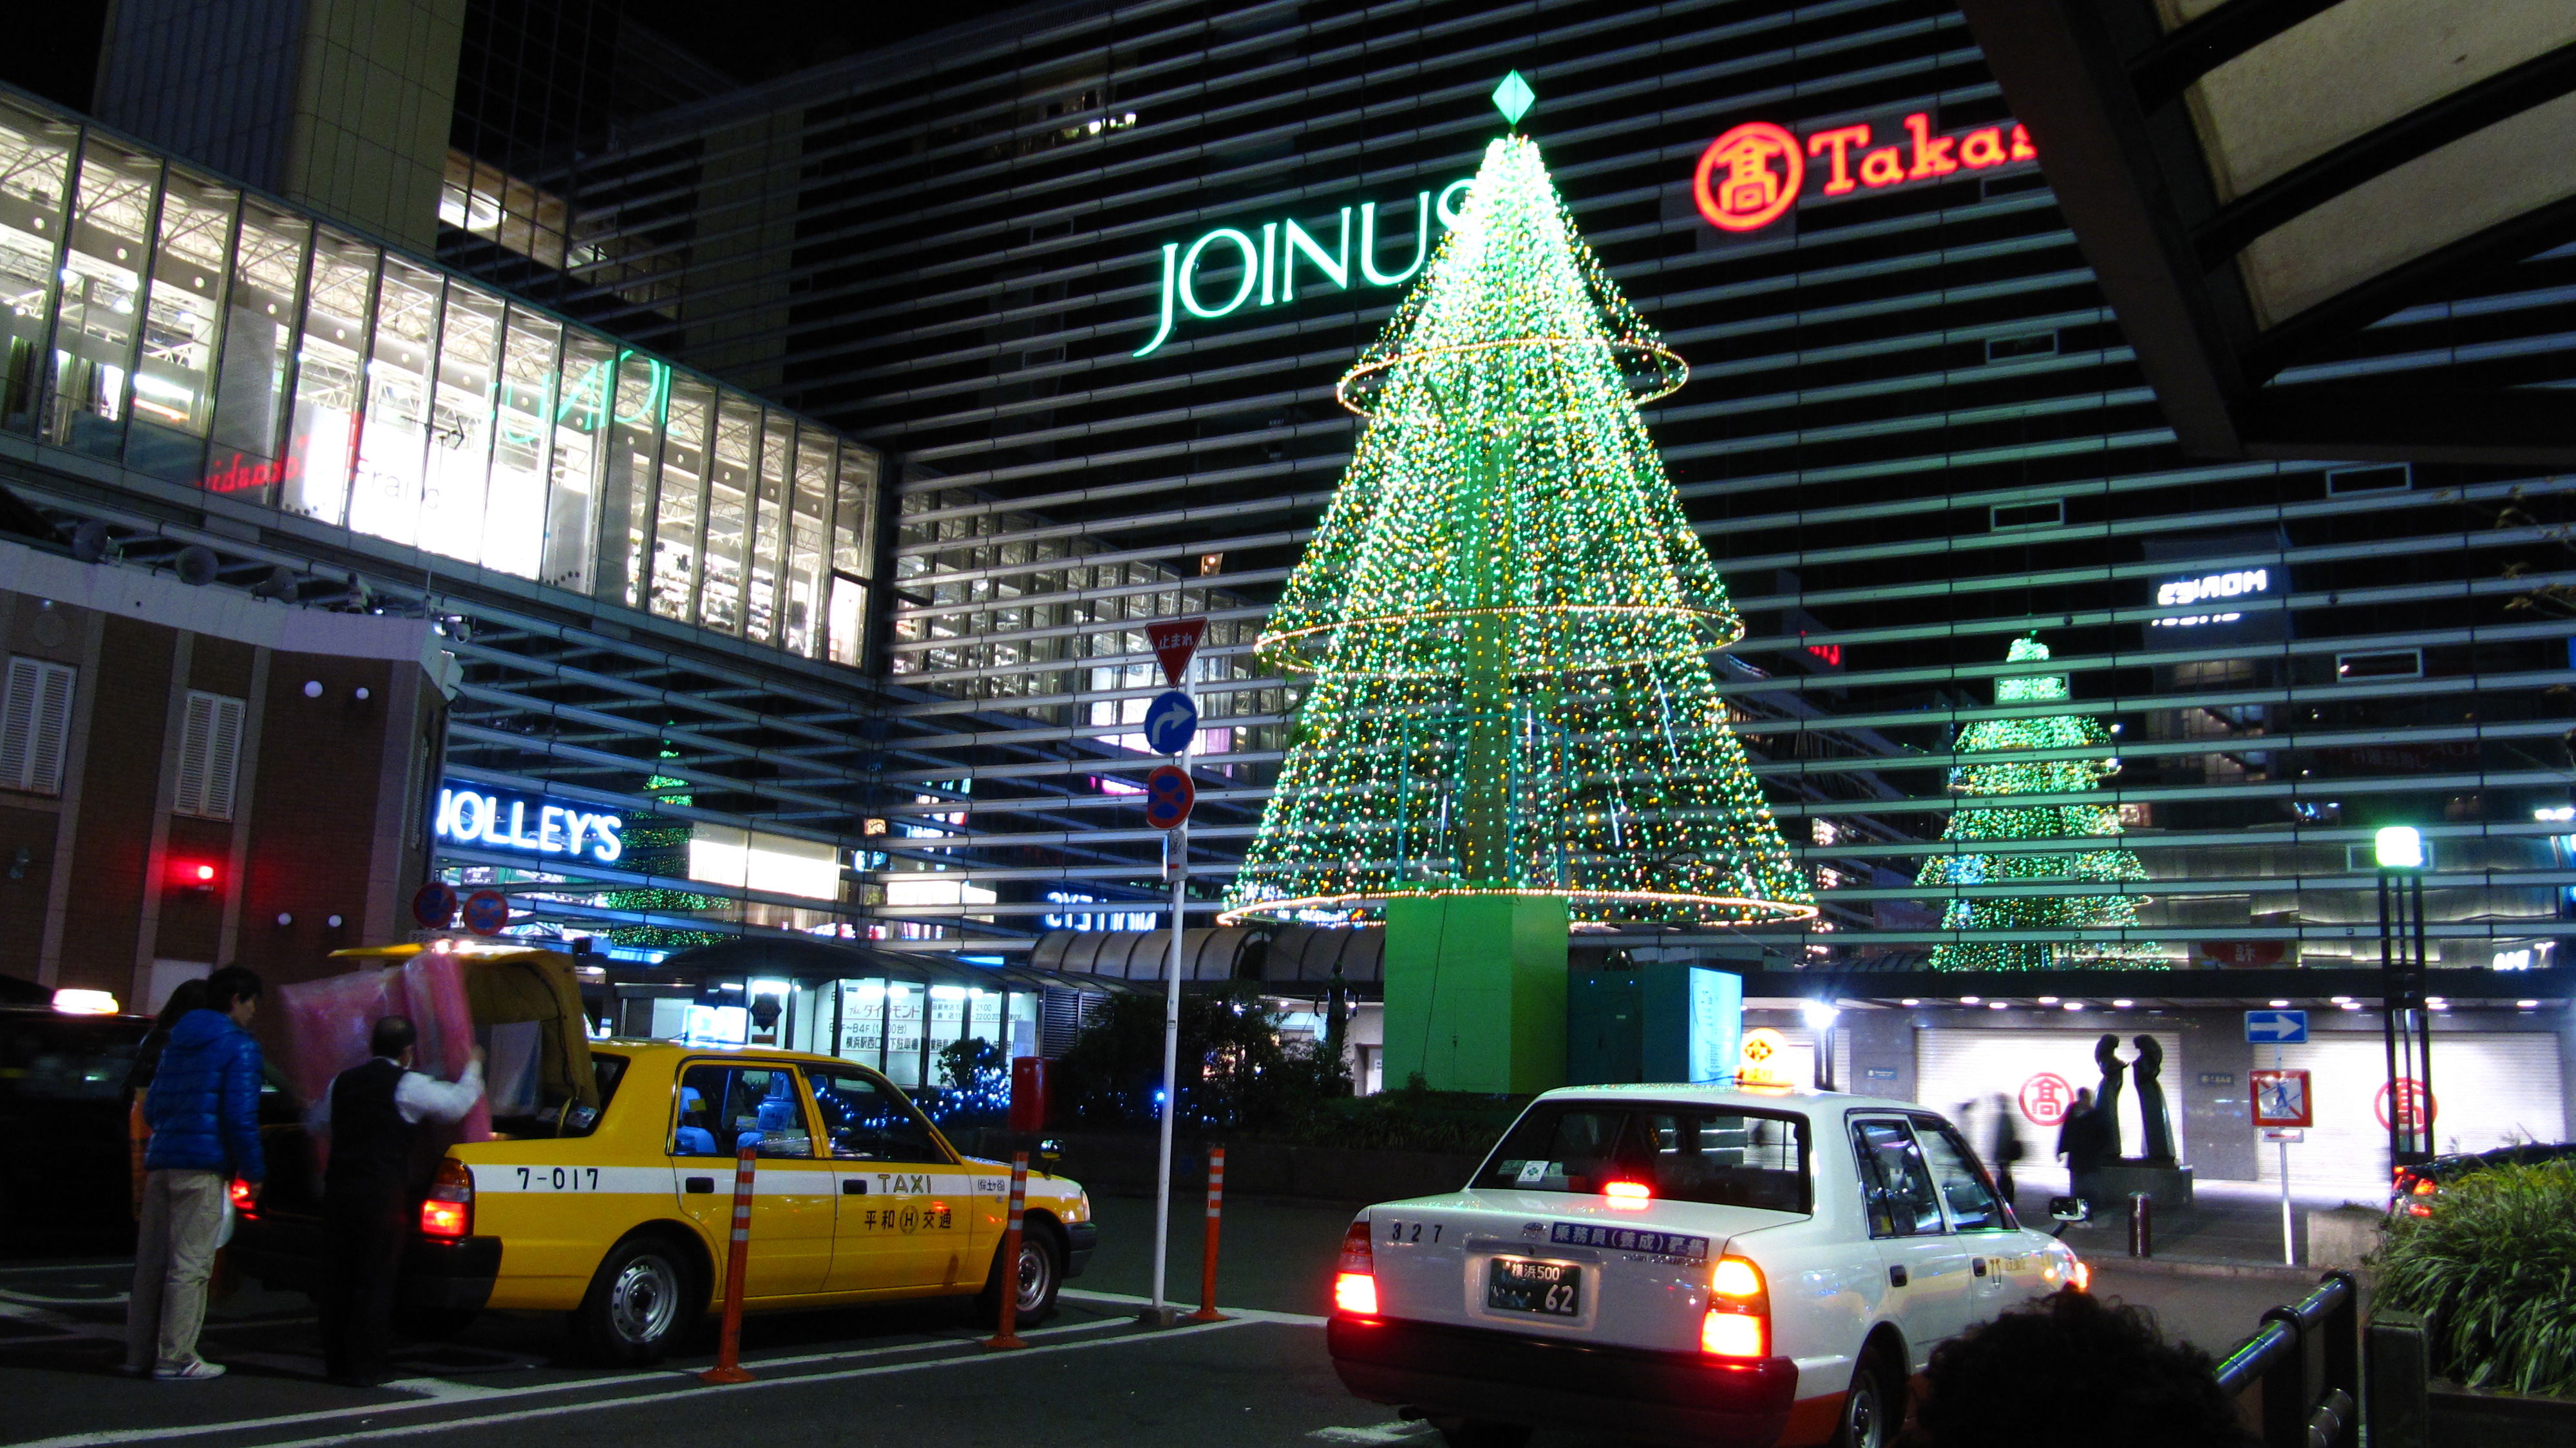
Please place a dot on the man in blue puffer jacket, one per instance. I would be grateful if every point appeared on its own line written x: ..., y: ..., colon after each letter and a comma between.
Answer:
x: 204, y: 1112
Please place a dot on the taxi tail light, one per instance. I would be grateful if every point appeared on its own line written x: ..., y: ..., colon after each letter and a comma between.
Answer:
x: 2079, y: 1275
x: 448, y: 1210
x: 2425, y: 1186
x: 1355, y: 1279
x: 1628, y: 1194
x: 240, y: 1195
x: 1738, y: 1322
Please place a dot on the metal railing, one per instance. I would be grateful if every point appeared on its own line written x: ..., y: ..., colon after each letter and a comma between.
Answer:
x: 2304, y: 1361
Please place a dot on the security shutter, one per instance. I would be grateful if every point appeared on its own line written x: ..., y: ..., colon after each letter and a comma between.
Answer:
x: 2490, y: 1088
x: 209, y: 755
x: 35, y: 724
x: 2038, y: 1071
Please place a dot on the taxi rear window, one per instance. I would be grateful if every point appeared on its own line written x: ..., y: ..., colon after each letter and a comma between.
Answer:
x: 50, y: 1057
x: 1720, y: 1155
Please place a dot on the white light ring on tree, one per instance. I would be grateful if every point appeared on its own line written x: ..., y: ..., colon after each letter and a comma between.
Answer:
x: 1360, y: 387
x: 1771, y: 911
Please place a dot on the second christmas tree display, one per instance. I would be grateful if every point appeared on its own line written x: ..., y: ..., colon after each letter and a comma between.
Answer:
x: 2006, y: 843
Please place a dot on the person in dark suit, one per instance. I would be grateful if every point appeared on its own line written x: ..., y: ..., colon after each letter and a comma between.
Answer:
x: 373, y: 1114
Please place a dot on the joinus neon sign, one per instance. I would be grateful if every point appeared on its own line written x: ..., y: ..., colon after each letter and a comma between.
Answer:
x: 1751, y: 176
x: 536, y: 827
x: 1269, y: 267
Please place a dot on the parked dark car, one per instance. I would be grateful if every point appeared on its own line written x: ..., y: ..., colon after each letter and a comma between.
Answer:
x: 68, y: 1172
x: 2427, y: 1178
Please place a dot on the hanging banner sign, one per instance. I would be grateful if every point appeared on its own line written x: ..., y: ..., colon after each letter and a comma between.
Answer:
x: 1175, y: 642
x: 471, y: 816
x: 1756, y: 174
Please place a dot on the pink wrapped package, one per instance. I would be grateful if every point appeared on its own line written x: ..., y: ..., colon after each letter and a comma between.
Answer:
x: 435, y: 985
x: 329, y: 1020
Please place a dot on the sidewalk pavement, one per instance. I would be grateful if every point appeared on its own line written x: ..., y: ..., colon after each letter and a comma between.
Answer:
x: 2227, y: 1222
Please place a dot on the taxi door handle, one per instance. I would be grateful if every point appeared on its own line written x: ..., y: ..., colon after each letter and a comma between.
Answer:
x: 1977, y: 1265
x: 1895, y: 1276
x: 854, y: 1186
x: 699, y: 1184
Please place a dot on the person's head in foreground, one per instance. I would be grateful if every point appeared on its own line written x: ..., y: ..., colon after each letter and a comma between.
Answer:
x: 2071, y: 1369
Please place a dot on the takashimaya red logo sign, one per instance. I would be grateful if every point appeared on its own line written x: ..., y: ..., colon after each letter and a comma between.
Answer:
x: 1751, y: 176
x: 2045, y: 1099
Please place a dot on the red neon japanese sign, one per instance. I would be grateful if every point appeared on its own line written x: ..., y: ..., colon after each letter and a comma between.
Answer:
x: 1751, y: 176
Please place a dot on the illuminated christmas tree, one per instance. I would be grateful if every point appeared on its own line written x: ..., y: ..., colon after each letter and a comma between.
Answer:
x: 658, y: 845
x: 1505, y: 617
x: 2083, y: 737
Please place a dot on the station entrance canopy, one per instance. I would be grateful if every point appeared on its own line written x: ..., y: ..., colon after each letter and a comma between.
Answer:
x: 2256, y: 181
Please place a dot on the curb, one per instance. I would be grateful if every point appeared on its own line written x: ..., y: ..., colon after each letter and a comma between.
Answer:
x: 2207, y: 1267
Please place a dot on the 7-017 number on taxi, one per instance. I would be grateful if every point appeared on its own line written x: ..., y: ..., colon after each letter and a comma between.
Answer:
x: 558, y: 1179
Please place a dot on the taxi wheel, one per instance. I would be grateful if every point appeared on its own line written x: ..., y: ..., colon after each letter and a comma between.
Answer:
x: 639, y: 1304
x: 1481, y: 1433
x: 1041, y: 1273
x: 1873, y: 1407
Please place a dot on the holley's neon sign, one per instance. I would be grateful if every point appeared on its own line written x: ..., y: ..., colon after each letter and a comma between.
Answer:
x: 1270, y: 266
x: 1751, y: 176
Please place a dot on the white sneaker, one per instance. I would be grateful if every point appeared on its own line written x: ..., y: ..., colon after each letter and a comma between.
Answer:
x: 196, y: 1372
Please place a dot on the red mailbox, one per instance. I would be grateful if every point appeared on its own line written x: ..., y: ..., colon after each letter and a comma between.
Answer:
x: 1028, y: 1093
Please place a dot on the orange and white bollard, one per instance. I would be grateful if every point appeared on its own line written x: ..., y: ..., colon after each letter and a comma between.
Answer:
x: 728, y: 1368
x: 1207, y: 1265
x: 1008, y: 1265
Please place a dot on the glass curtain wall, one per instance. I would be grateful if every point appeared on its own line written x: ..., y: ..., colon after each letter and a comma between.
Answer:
x: 211, y: 338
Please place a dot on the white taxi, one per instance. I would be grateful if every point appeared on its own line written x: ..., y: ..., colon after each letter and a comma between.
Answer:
x: 1686, y: 1264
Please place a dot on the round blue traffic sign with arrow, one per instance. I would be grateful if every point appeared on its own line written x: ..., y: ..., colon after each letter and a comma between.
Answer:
x: 1171, y: 721
x: 1168, y: 797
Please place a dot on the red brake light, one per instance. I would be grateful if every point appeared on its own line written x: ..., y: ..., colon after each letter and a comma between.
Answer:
x: 1628, y: 1196
x: 2426, y: 1186
x: 1354, y: 1280
x: 1738, y: 1324
x: 448, y: 1211
x: 243, y: 1202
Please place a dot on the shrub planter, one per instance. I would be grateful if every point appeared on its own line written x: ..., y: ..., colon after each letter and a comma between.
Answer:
x: 2474, y: 1418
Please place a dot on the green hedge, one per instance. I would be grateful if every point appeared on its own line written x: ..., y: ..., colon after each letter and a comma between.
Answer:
x: 2494, y: 1269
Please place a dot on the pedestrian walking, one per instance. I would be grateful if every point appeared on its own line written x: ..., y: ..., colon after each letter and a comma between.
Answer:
x: 190, y: 996
x: 2004, y: 1147
x: 373, y: 1114
x: 2085, y: 1139
x: 203, y: 1112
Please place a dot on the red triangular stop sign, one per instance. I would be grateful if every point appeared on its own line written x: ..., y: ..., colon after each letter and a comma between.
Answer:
x: 1175, y: 641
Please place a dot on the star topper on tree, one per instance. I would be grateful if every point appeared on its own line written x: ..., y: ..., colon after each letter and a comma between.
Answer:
x: 1506, y: 618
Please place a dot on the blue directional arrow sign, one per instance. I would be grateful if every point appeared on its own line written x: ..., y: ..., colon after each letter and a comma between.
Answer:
x: 2278, y: 1028
x: 1171, y: 721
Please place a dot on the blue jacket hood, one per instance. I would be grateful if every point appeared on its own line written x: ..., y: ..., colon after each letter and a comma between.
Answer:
x: 203, y: 1106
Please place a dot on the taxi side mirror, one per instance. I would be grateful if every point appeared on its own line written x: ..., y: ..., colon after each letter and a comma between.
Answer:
x: 2069, y: 1209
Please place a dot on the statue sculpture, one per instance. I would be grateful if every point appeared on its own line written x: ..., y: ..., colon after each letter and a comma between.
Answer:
x: 2106, y: 1102
x: 2153, y: 1123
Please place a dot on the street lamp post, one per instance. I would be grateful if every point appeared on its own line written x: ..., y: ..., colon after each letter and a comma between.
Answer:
x: 2406, y: 1025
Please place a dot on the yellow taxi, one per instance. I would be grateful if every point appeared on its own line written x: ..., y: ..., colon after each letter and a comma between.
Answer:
x: 620, y: 1215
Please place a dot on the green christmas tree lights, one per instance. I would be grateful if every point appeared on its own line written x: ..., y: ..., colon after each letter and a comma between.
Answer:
x: 1974, y: 824
x: 1506, y: 617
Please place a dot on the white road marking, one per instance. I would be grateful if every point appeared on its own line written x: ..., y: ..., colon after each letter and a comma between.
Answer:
x: 485, y: 1420
x: 1383, y: 1433
x: 1233, y: 1314
x: 288, y: 1420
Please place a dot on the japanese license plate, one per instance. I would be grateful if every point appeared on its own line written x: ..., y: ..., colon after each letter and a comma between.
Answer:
x: 1550, y: 1289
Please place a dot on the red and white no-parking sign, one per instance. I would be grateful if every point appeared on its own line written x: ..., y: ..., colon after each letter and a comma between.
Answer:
x: 1168, y: 797
x: 486, y: 912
